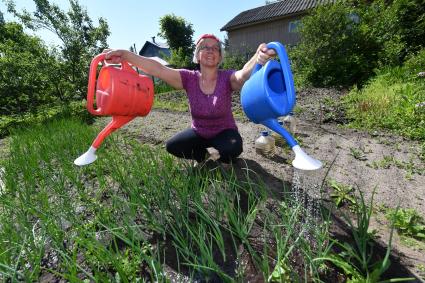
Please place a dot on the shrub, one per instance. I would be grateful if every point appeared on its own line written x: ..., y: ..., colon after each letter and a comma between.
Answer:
x: 342, y: 44
x: 235, y: 62
x: 332, y: 50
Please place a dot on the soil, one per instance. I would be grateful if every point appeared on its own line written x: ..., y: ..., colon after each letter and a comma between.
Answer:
x: 380, y: 162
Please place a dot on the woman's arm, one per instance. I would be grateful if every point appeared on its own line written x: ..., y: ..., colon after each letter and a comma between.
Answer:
x: 262, y: 55
x: 147, y: 65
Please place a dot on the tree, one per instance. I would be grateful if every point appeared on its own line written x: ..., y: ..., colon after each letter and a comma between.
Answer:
x: 26, y: 71
x: 179, y: 36
x: 81, y: 40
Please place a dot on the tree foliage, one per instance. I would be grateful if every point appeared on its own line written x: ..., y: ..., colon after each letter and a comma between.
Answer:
x: 179, y: 35
x: 27, y: 70
x: 81, y: 40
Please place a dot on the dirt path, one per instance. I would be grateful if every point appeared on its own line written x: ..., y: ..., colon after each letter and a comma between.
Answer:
x: 389, y: 165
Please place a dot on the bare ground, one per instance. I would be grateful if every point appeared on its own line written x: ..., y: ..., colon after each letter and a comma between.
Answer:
x: 390, y: 165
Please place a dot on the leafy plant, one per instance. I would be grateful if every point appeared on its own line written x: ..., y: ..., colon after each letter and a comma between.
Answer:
x: 387, y: 161
x: 333, y: 48
x: 384, y: 163
x: 342, y: 194
x: 26, y: 67
x: 358, y: 154
x: 408, y: 222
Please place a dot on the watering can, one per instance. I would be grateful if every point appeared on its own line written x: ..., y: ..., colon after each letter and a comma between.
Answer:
x: 268, y: 94
x: 121, y: 93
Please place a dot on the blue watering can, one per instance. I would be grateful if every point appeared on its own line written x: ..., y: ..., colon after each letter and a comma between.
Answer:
x: 268, y: 94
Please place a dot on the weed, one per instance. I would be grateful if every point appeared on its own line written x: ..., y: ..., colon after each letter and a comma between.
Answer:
x: 358, y: 154
x: 408, y: 222
x: 387, y: 161
x: 384, y: 163
x: 342, y: 194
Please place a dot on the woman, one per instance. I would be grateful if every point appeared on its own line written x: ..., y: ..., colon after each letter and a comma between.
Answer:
x: 213, y: 130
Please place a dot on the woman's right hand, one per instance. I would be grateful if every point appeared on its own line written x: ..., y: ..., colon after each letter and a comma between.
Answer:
x: 115, y: 56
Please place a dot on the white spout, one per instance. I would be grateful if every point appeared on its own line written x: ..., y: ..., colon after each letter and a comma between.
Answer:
x: 303, y: 161
x: 88, y: 157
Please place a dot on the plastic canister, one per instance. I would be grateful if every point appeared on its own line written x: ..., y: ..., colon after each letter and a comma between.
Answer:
x: 278, y: 139
x: 265, y: 144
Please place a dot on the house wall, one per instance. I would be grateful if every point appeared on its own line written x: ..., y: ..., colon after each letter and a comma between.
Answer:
x: 245, y: 40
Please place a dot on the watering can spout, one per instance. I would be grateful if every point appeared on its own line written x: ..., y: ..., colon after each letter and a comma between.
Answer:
x: 90, y: 155
x: 302, y: 160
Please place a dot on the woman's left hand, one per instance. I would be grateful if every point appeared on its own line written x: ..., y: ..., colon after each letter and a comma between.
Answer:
x: 264, y: 54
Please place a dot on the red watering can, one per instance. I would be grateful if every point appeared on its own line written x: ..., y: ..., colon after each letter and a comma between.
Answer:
x: 121, y: 93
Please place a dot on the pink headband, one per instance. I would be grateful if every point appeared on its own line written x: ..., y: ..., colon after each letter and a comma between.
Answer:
x: 207, y: 35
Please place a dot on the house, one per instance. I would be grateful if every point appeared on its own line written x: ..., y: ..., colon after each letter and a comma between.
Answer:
x: 273, y: 22
x: 156, y: 50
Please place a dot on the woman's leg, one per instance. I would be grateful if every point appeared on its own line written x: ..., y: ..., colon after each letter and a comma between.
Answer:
x: 187, y: 144
x: 228, y: 143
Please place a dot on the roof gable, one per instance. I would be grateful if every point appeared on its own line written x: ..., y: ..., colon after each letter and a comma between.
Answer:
x: 270, y: 11
x: 156, y: 45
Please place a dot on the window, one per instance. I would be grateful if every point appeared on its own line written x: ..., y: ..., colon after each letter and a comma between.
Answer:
x: 294, y: 26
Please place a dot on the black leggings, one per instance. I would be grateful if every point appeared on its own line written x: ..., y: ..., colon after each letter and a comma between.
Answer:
x: 188, y: 144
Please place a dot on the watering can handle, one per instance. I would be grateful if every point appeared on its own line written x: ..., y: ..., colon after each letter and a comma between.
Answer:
x: 92, y: 81
x: 286, y: 69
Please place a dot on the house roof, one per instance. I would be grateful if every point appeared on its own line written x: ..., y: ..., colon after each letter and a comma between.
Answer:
x: 159, y: 45
x: 276, y: 10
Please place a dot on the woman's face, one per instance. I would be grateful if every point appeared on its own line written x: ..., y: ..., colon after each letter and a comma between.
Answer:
x: 209, y: 52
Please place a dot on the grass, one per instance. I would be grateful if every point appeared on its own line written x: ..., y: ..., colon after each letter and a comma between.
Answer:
x: 137, y: 210
x: 392, y: 100
x: 171, y: 100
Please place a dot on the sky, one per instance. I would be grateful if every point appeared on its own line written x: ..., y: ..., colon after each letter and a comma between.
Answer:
x: 136, y: 21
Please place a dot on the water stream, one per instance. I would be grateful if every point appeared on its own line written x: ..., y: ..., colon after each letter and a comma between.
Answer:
x: 306, y: 193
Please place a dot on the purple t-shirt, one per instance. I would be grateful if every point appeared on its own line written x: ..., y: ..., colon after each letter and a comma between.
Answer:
x: 211, y: 113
